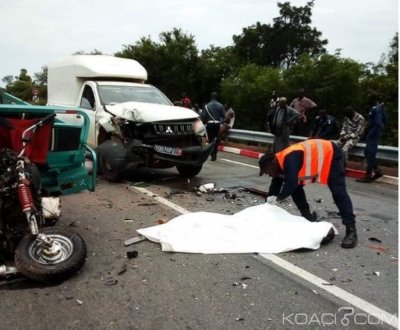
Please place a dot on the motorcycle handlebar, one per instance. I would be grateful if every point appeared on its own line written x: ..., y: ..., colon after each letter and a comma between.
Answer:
x: 40, y: 123
x: 44, y: 120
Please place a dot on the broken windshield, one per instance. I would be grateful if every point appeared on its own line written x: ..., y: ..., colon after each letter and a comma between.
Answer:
x: 112, y: 94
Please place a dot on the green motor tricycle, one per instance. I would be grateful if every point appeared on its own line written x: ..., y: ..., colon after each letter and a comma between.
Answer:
x: 42, y: 155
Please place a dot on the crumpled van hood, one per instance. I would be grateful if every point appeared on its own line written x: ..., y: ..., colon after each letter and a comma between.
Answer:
x: 150, y: 112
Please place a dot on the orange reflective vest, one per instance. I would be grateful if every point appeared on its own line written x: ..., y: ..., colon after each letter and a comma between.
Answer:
x: 317, y: 159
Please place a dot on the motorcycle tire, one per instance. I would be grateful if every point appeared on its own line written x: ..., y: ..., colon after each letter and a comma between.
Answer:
x: 32, y: 261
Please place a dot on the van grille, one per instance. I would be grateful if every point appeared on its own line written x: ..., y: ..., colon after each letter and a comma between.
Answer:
x: 169, y: 129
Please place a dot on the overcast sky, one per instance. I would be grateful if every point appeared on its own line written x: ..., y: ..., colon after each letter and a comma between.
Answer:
x: 32, y: 33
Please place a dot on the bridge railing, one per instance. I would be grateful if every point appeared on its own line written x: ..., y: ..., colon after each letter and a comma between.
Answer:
x: 386, y: 153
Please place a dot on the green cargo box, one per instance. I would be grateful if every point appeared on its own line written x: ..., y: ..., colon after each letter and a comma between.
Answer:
x: 66, y: 163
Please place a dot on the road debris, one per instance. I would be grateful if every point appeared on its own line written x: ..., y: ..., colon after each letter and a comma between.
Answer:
x: 377, y: 273
x: 79, y: 302
x: 207, y: 187
x: 176, y: 192
x: 110, y: 281
x: 141, y: 184
x: 132, y: 254
x: 123, y: 269
x: 255, y: 191
x: 244, y: 278
x: 374, y: 239
x: 134, y: 240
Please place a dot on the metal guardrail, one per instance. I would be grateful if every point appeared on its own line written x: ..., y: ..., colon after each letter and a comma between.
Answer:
x: 384, y: 152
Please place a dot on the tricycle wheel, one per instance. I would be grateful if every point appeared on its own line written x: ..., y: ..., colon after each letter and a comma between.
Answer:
x: 37, y: 262
x: 106, y: 171
x: 189, y: 171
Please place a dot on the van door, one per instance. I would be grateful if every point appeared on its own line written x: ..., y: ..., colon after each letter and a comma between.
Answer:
x: 88, y: 103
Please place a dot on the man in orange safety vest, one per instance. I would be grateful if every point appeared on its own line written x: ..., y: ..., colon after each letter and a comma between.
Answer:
x: 313, y: 160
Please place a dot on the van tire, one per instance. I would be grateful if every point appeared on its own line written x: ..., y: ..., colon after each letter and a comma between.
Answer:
x: 106, y: 172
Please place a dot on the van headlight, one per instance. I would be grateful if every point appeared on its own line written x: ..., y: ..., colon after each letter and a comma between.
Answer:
x: 199, y: 129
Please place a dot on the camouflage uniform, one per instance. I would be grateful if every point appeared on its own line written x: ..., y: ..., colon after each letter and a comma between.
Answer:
x: 351, y: 132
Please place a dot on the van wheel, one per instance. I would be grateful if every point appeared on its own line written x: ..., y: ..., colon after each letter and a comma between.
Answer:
x: 189, y: 171
x: 107, y: 172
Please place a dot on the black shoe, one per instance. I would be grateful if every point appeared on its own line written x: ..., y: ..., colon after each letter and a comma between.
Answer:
x: 329, y: 237
x: 213, y: 157
x: 378, y: 173
x: 367, y: 178
x: 312, y: 217
x: 350, y: 239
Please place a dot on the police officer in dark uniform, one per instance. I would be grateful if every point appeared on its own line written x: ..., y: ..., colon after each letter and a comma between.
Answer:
x: 212, y: 116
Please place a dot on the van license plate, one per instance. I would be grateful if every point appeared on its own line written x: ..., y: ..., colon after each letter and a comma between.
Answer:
x: 168, y: 150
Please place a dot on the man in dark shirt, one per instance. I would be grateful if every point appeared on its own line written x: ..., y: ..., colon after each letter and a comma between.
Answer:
x: 376, y: 122
x: 325, y: 126
x: 213, y: 116
x: 310, y: 161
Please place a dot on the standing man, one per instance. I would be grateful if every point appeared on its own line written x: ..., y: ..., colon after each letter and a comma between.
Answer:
x: 352, y: 130
x: 376, y: 122
x: 229, y: 121
x: 301, y: 104
x: 213, y: 115
x: 325, y: 126
x: 280, y: 119
x: 310, y: 161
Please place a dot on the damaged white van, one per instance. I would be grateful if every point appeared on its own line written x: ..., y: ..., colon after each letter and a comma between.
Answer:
x: 132, y: 123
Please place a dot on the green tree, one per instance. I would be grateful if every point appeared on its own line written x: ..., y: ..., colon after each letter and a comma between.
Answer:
x: 41, y: 76
x: 7, y: 79
x: 93, y: 52
x: 172, y: 63
x: 331, y: 81
x: 215, y: 65
x: 250, y: 92
x: 20, y: 86
x: 282, y: 43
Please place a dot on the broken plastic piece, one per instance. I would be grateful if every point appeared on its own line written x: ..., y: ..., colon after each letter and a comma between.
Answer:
x: 135, y: 239
x: 207, y: 187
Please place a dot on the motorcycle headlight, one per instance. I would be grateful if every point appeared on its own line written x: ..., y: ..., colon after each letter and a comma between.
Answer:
x: 199, y: 129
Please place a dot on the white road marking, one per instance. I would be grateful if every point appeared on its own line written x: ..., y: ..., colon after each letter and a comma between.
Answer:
x: 160, y: 199
x: 239, y: 163
x: 365, y: 306
x: 361, y: 304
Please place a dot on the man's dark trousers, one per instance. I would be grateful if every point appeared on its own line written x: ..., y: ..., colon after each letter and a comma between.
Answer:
x: 337, y: 186
x: 213, y: 133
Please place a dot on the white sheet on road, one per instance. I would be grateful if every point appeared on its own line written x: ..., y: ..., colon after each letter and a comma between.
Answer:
x: 263, y: 228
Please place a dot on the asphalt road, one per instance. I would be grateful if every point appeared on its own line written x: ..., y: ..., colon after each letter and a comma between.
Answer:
x: 160, y: 290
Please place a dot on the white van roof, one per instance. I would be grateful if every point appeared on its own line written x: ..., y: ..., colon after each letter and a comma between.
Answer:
x: 67, y: 75
x: 93, y: 66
